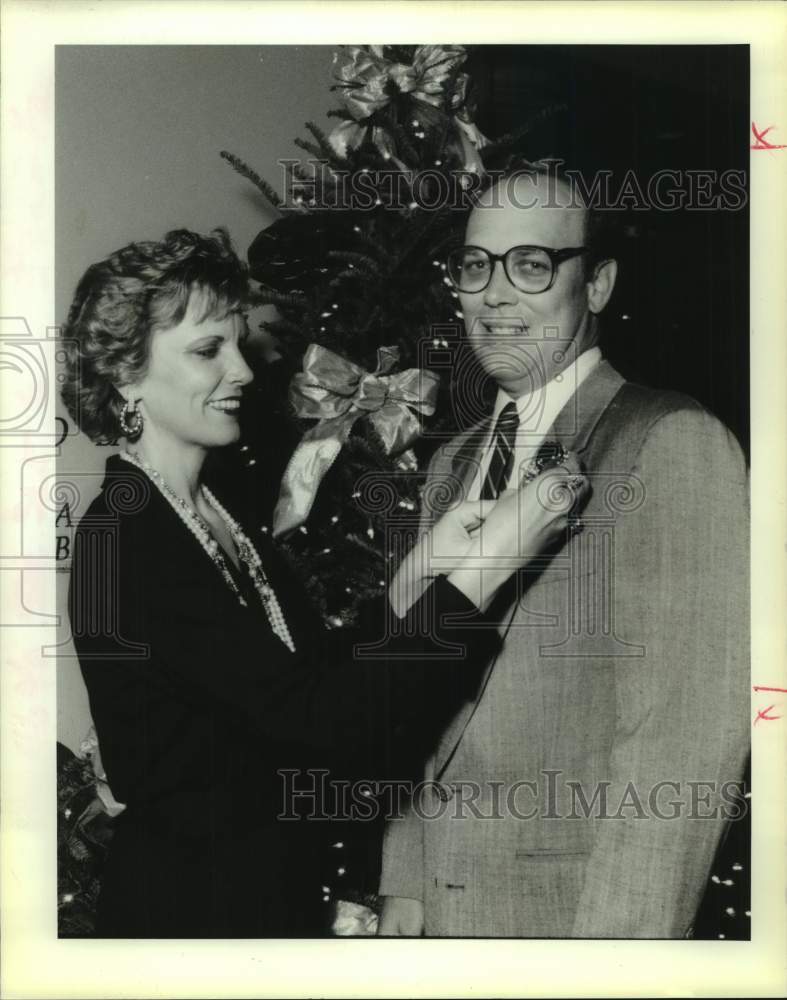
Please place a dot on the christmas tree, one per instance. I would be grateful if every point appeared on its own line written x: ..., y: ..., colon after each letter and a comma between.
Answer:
x: 368, y: 328
x: 365, y: 320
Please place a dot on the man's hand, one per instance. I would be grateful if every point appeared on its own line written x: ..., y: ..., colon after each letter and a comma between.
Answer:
x: 401, y: 917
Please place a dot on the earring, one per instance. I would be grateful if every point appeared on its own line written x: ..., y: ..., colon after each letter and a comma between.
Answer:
x: 131, y: 430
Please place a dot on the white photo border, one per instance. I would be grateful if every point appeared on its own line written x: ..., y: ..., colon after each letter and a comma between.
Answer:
x: 35, y: 963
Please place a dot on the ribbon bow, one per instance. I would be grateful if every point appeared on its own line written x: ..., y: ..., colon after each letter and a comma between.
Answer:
x: 337, y: 392
x: 367, y: 81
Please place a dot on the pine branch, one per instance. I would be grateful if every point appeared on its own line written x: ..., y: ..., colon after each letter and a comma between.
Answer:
x: 246, y: 171
x: 350, y: 274
x: 366, y: 546
x: 510, y: 139
x: 310, y: 147
x: 328, y: 152
x: 421, y: 224
x: 404, y: 148
x: 404, y: 145
x: 269, y: 296
x: 281, y: 327
x: 361, y: 262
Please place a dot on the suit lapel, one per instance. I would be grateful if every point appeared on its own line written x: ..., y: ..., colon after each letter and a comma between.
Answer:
x: 574, y: 425
x: 452, y: 479
x: 573, y: 428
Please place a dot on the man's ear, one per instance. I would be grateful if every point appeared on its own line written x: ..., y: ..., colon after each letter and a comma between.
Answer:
x: 602, y: 283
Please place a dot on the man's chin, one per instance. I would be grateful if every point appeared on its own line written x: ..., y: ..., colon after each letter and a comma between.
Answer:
x: 505, y: 371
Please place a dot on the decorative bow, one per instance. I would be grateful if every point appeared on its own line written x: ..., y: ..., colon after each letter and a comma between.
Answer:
x: 354, y: 920
x: 367, y: 81
x: 338, y: 392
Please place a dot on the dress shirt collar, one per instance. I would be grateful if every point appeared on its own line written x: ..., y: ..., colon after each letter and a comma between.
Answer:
x: 537, y: 409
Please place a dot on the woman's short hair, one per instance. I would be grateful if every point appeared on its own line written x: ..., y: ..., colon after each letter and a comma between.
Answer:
x: 122, y: 300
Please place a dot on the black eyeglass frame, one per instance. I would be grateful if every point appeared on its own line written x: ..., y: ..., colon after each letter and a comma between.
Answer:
x: 556, y: 258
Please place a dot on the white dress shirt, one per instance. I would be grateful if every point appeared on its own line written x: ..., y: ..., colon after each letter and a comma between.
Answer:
x: 537, y: 411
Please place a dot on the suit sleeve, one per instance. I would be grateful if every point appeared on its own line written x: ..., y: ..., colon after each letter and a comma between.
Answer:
x: 682, y: 708
x: 403, y: 856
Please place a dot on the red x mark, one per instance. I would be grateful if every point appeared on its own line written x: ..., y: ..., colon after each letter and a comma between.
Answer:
x: 763, y: 714
x: 762, y: 142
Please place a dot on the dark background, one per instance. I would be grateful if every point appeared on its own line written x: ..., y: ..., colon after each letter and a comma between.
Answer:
x: 684, y: 275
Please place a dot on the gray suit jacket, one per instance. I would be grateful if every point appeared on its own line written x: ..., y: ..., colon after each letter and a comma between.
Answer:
x: 579, y: 794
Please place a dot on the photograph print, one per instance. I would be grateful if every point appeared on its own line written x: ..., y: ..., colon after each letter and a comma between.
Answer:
x: 403, y: 533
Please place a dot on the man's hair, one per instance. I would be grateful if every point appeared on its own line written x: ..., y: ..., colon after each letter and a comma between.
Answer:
x: 122, y: 300
x: 601, y: 235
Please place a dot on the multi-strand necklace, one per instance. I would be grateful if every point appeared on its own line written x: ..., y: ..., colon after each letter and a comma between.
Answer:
x: 246, y: 550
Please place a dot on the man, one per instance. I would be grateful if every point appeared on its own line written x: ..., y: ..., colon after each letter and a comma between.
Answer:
x: 583, y: 790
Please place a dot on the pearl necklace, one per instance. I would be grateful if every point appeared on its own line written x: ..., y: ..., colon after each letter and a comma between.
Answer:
x: 246, y: 550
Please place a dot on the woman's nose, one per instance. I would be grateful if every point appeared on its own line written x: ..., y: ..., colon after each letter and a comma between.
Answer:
x: 239, y: 371
x: 499, y: 290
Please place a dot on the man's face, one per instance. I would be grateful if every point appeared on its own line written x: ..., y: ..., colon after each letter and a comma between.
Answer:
x: 523, y: 340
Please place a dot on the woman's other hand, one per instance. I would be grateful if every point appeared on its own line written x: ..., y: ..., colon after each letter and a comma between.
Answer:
x: 524, y: 523
x: 451, y: 538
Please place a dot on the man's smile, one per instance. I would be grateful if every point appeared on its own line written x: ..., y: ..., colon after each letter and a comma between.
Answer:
x: 501, y: 325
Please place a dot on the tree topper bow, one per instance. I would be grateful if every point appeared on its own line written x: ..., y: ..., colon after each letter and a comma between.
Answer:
x: 338, y: 392
x: 366, y: 80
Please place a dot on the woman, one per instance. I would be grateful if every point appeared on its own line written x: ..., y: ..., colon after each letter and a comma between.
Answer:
x: 210, y: 678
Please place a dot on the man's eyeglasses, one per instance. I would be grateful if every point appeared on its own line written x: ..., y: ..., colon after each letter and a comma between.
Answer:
x: 529, y: 269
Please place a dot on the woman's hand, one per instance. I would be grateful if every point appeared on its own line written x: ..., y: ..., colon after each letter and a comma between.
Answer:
x: 440, y: 550
x: 525, y: 522
x: 522, y: 524
x: 451, y: 538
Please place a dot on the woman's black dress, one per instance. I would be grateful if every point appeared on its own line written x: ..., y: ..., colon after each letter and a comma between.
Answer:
x: 199, y: 706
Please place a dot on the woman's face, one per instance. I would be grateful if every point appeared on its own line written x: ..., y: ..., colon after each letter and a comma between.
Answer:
x: 191, y: 392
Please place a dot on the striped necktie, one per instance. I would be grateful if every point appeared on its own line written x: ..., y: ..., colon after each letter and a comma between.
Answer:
x: 499, y: 471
